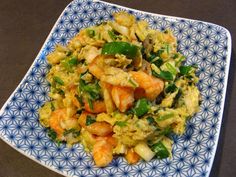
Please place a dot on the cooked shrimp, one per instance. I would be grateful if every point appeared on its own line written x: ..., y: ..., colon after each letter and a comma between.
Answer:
x: 110, y: 139
x: 100, y: 128
x: 83, y: 117
x: 59, y: 121
x: 55, y: 119
x: 151, y: 85
x: 102, y: 153
x: 139, y: 93
x: 131, y: 156
x: 96, y: 128
x: 123, y: 97
x: 97, y: 107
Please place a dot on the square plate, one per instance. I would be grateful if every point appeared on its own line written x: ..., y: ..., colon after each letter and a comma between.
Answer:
x: 205, y: 44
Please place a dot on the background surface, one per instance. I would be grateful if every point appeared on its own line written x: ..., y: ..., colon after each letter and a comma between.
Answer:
x: 24, y: 26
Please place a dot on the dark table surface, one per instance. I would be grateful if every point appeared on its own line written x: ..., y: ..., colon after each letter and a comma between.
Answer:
x: 24, y: 26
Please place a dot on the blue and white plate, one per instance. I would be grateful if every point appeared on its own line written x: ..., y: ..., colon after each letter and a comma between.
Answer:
x: 205, y: 44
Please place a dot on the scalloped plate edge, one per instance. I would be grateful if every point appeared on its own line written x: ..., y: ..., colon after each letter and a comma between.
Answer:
x: 172, y: 18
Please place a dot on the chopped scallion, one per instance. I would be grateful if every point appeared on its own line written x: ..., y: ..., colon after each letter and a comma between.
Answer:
x: 121, y: 123
x: 171, y: 68
x: 150, y: 120
x: 52, y: 134
x: 164, y: 117
x: 166, y: 75
x: 52, y: 107
x: 171, y: 88
x: 58, y: 80
x: 184, y: 70
x: 90, y: 120
x: 141, y: 107
x: 91, y: 33
x: 112, y: 35
x: 160, y: 150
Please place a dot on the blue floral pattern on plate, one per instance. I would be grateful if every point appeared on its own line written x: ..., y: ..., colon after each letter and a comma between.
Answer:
x: 205, y: 44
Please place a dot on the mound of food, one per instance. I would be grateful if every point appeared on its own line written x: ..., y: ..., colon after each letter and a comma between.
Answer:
x: 120, y: 88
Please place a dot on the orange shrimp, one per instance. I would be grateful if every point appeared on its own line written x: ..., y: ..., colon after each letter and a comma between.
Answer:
x: 131, y: 156
x: 58, y: 119
x: 110, y: 139
x: 123, y: 97
x: 100, y: 128
x: 151, y: 85
x: 83, y: 117
x: 96, y: 128
x: 55, y: 119
x: 98, y: 107
x: 102, y: 153
x: 139, y: 93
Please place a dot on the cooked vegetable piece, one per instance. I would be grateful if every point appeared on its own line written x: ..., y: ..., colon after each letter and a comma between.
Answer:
x: 184, y: 70
x: 154, y: 55
x: 52, y: 134
x: 93, y: 90
x: 80, y: 99
x: 176, y: 55
x: 168, y: 49
x: 58, y: 80
x: 166, y: 75
x: 166, y: 131
x: 180, y: 60
x: 158, y: 62
x: 150, y: 120
x: 90, y: 120
x: 73, y: 61
x: 166, y: 116
x: 155, y: 58
x: 60, y: 91
x: 90, y: 103
x: 91, y: 33
x: 121, y: 123
x: 144, y: 151
x: 70, y: 63
x: 160, y: 150
x: 178, y: 95
x: 141, y: 107
x: 112, y: 35
x: 171, y: 88
x: 52, y: 107
x: 171, y: 69
x: 125, y: 48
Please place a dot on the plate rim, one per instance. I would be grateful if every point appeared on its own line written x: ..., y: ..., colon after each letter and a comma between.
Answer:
x: 172, y: 18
